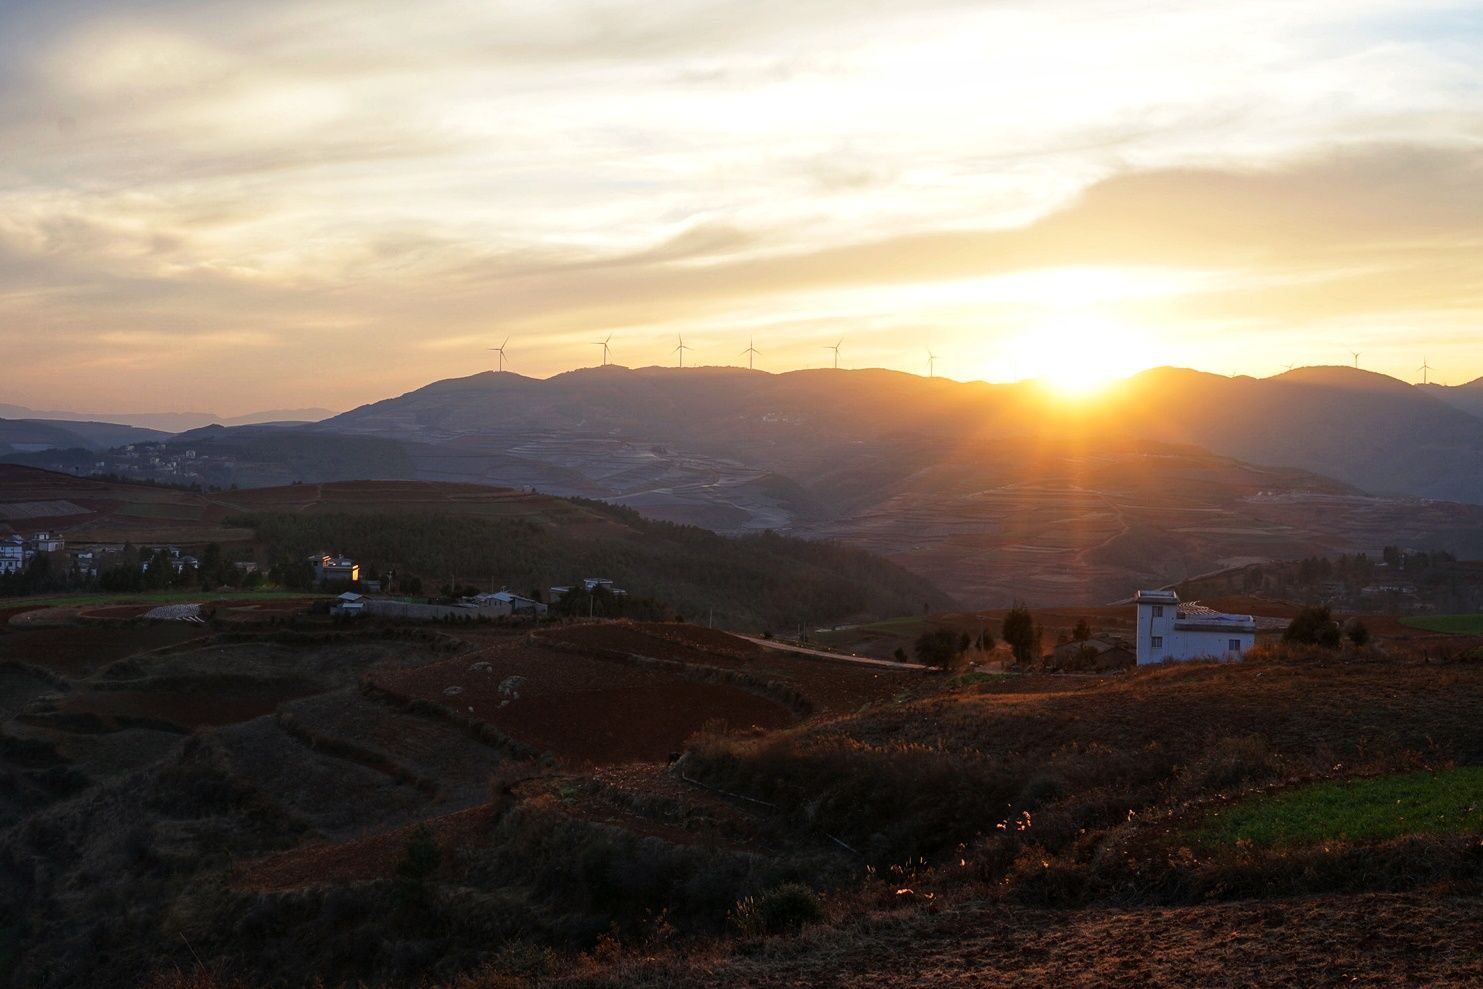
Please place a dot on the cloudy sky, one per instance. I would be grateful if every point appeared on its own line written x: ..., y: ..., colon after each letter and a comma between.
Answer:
x: 230, y: 207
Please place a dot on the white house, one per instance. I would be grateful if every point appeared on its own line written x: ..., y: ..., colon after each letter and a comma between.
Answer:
x: 12, y: 554
x: 1168, y: 630
x: 349, y: 604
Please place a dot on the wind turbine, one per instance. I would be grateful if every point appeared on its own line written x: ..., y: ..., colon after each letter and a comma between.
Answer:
x: 931, y: 363
x: 501, y: 351
x: 835, y: 348
x: 681, y: 351
x: 750, y: 352
x: 1289, y: 366
x: 603, y: 343
x: 1425, y: 369
x: 1356, y: 357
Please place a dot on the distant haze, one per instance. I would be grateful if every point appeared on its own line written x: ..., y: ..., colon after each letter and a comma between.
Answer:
x: 233, y: 207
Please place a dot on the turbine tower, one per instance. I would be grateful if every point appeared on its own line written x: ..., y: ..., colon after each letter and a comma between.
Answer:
x: 750, y: 353
x: 681, y: 351
x: 931, y: 363
x: 501, y: 351
x: 603, y: 343
x: 835, y: 348
x: 1356, y: 357
x: 1289, y: 366
x: 1425, y: 370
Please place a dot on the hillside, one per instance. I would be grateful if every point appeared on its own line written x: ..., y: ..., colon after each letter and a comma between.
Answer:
x: 480, y: 535
x: 22, y: 435
x: 169, y: 422
x: 486, y: 807
x: 996, y: 491
x: 1002, y: 490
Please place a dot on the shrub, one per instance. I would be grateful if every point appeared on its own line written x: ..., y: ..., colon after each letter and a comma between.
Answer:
x: 783, y: 909
x: 1313, y: 626
x: 937, y: 648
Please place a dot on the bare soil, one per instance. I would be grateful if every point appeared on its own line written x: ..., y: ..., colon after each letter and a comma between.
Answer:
x: 587, y: 711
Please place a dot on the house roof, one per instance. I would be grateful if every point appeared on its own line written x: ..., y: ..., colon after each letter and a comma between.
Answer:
x: 1156, y: 597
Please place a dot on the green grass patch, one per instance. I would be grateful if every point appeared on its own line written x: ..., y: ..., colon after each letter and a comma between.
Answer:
x: 1453, y: 624
x: 1447, y: 802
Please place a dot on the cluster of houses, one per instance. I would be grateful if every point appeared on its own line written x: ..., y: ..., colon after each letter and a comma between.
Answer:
x: 495, y: 604
x: 498, y: 604
x: 16, y: 550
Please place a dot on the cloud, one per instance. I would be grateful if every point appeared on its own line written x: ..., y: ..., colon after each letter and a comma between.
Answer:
x: 371, y: 171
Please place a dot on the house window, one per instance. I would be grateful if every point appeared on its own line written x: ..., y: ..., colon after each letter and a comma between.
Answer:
x: 1158, y: 611
x: 1235, y: 645
x: 1158, y: 642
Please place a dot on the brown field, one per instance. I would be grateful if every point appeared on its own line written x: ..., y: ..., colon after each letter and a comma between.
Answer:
x: 78, y: 650
x: 360, y: 859
x: 189, y: 709
x: 586, y: 711
x: 1372, y: 940
x: 827, y: 686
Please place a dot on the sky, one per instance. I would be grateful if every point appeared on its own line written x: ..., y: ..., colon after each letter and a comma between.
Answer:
x: 231, y: 207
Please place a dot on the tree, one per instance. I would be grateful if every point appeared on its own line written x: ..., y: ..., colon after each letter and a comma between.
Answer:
x: 1082, y: 632
x: 937, y: 648
x: 1019, y: 631
x: 1358, y: 633
x: 1313, y: 626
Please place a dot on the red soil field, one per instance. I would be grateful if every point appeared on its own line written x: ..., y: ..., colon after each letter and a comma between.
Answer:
x: 7, y: 613
x: 118, y: 611
x: 78, y: 650
x: 189, y: 710
x: 372, y: 857
x: 828, y: 685
x: 587, y: 711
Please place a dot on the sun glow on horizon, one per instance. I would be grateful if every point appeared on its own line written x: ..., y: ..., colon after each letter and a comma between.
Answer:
x: 1079, y: 355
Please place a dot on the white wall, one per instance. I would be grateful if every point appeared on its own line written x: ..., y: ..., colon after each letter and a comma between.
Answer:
x: 1182, y: 644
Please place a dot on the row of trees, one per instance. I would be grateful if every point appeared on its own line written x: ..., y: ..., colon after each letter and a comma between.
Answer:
x: 939, y: 647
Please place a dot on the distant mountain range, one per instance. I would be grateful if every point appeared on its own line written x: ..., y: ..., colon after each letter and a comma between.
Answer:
x: 168, y: 422
x: 995, y: 491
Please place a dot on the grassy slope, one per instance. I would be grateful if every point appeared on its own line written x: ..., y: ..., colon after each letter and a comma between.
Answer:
x: 1452, y: 624
x: 1448, y: 802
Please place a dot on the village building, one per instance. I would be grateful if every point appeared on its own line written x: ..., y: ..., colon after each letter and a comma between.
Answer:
x: 1094, y: 655
x: 330, y: 569
x: 589, y: 584
x: 12, y: 554
x: 348, y: 605
x: 509, y: 603
x: 45, y: 542
x: 1169, y: 630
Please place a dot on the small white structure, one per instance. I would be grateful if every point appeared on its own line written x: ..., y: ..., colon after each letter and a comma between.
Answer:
x: 12, y: 554
x: 1168, y: 630
x: 349, y: 604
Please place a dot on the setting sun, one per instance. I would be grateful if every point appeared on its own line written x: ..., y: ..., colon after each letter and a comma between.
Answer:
x: 1077, y: 356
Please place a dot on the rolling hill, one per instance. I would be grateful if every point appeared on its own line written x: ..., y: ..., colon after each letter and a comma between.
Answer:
x: 997, y: 491
x: 479, y: 535
x: 1001, y: 490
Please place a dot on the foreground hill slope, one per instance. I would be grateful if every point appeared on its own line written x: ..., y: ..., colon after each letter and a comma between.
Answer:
x: 1035, y: 829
